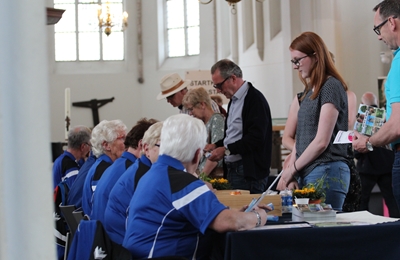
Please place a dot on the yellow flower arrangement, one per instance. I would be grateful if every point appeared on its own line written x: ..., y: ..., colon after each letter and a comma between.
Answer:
x: 307, y: 192
x: 220, y: 184
x: 217, y: 183
x: 313, y: 191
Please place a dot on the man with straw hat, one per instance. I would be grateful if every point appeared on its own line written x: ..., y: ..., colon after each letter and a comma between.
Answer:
x: 173, y: 88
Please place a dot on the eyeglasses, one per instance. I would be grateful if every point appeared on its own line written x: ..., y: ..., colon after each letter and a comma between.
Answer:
x: 219, y: 85
x: 296, y: 62
x: 377, y: 29
x: 122, y: 137
x: 191, y: 109
x: 89, y: 144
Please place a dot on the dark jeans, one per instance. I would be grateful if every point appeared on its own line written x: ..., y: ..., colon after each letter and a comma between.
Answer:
x: 396, y: 177
x: 238, y: 181
x: 384, y: 182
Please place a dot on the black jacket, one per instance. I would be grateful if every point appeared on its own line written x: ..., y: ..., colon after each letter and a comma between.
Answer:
x: 379, y: 161
x: 256, y: 143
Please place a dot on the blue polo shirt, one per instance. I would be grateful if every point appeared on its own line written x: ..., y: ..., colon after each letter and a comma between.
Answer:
x: 65, y: 167
x: 75, y: 191
x: 392, y: 87
x: 169, y: 210
x: 92, y: 178
x: 107, y: 182
x: 116, y: 211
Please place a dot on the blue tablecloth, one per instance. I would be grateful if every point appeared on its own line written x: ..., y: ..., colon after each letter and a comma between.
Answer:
x: 380, y: 241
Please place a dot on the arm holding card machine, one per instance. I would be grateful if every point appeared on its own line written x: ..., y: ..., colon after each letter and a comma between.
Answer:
x: 255, y: 202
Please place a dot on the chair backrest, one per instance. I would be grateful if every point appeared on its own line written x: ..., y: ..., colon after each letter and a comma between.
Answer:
x: 72, y: 223
x: 72, y: 217
x: 78, y: 215
x: 61, y: 228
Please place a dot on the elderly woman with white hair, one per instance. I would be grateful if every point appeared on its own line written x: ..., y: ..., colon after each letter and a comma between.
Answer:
x: 171, y: 207
x: 107, y: 145
x: 118, y: 203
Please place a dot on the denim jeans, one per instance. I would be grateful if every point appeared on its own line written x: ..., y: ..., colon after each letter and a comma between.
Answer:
x: 238, y: 181
x: 396, y: 177
x: 336, y: 183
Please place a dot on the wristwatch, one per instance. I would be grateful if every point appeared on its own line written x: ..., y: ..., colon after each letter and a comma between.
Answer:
x: 227, y: 152
x: 369, y: 146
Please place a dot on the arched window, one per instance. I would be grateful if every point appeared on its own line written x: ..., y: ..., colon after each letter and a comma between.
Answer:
x: 182, y: 28
x: 78, y: 36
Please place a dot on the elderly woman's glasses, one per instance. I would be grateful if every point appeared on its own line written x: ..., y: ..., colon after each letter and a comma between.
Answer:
x: 219, y: 85
x: 190, y: 109
x: 377, y: 29
x: 296, y: 62
x: 121, y: 137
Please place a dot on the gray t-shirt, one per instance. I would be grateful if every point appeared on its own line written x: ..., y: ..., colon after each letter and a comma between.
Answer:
x: 308, y: 117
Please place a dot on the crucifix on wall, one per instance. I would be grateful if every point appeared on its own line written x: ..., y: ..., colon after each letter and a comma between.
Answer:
x: 94, y: 104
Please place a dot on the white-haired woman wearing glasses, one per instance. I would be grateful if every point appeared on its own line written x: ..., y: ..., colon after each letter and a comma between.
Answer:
x: 107, y: 145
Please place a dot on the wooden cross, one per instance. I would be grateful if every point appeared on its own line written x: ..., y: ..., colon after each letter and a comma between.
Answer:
x: 94, y: 104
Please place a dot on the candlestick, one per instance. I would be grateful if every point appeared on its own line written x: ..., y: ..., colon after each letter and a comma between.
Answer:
x: 67, y: 110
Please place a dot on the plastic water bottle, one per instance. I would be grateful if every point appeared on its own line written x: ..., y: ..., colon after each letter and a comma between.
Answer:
x: 289, y: 200
x: 284, y: 194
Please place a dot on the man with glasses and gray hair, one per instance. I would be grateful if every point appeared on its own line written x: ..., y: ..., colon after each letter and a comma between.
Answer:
x: 247, y: 145
x: 387, y: 27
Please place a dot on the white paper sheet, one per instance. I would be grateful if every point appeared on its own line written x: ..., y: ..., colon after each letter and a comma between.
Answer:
x: 344, y: 137
x: 363, y: 216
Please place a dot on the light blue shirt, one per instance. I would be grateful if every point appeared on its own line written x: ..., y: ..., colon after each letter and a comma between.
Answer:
x: 392, y: 87
x: 234, y: 121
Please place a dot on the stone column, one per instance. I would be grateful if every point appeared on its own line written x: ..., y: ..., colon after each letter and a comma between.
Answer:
x: 26, y: 224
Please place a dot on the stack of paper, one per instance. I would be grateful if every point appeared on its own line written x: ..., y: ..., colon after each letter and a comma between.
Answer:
x: 313, y: 213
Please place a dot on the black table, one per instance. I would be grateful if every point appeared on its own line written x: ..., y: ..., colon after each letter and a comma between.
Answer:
x: 380, y: 241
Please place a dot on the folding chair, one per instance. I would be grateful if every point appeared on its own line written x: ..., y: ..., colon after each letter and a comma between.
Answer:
x: 66, y: 211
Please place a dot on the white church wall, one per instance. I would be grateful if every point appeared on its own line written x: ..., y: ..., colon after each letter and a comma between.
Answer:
x: 344, y: 25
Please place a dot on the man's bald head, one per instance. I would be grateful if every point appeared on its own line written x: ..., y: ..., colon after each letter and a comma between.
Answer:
x: 369, y: 99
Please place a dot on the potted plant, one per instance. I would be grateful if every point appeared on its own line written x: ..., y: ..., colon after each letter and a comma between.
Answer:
x: 217, y: 183
x: 315, y: 192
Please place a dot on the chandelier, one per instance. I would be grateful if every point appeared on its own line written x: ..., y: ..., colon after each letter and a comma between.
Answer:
x: 107, y: 20
x: 230, y: 2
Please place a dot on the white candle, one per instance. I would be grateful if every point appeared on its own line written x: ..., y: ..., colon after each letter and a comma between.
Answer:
x: 67, y: 109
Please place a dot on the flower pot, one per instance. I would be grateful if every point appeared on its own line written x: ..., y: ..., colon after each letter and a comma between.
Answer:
x: 301, y: 201
x: 318, y: 201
